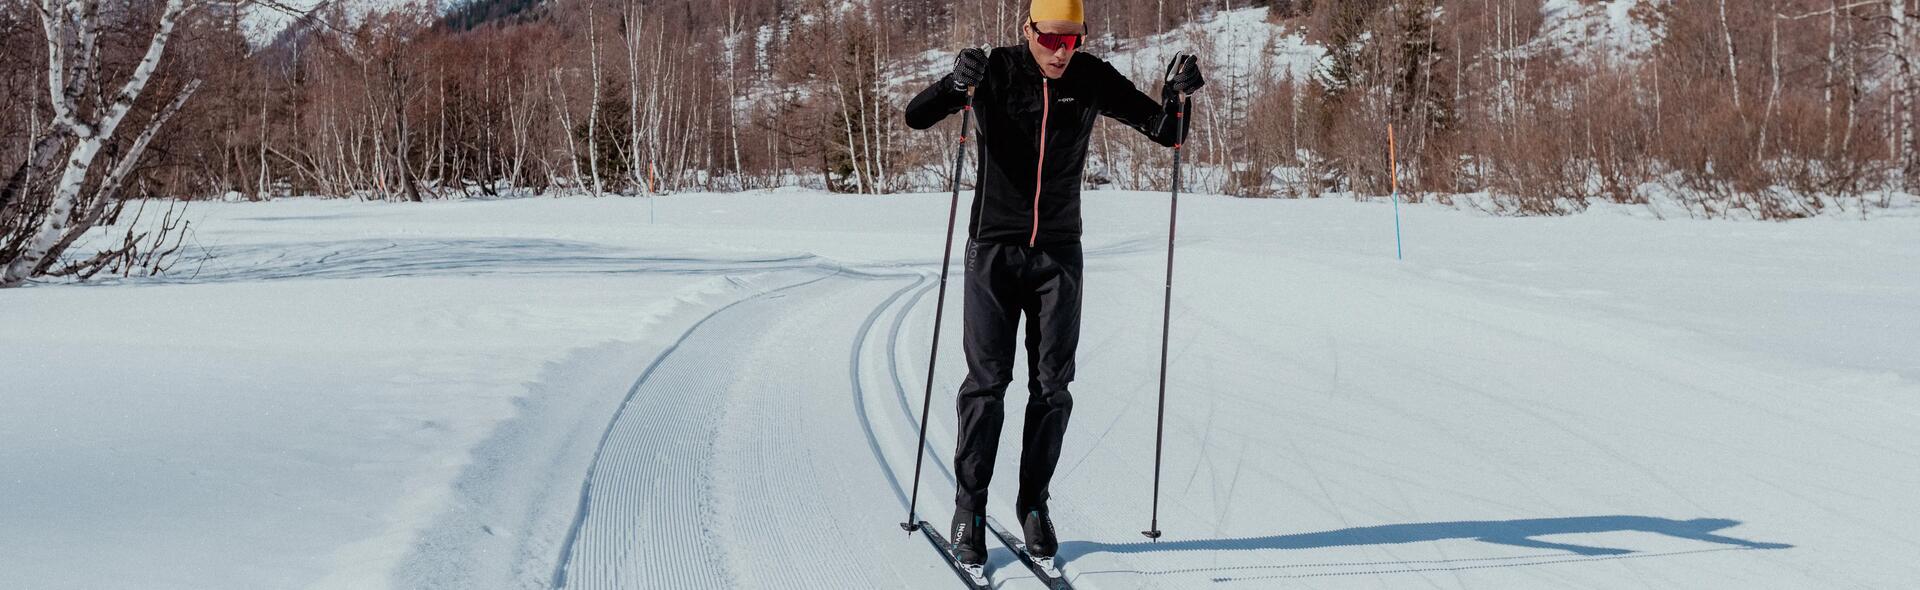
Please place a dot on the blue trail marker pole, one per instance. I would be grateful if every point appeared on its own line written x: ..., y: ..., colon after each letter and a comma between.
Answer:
x: 1393, y: 162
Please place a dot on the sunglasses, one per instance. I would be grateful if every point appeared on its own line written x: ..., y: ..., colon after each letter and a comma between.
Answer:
x: 1055, y: 41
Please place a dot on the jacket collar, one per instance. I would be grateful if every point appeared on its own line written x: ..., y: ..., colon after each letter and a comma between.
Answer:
x: 1023, y: 55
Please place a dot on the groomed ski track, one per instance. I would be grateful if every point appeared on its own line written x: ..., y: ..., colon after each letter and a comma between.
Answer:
x: 771, y: 446
x: 743, y: 458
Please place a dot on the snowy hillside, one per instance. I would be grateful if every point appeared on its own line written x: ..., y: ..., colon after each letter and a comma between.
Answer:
x: 1610, y: 31
x: 264, y: 23
x: 1238, y: 42
x: 720, y: 391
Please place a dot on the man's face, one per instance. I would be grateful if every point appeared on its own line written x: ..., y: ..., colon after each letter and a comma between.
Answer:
x: 1053, y: 62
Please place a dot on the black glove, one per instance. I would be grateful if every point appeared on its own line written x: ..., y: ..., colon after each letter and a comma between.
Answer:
x: 969, y: 68
x: 1183, y: 77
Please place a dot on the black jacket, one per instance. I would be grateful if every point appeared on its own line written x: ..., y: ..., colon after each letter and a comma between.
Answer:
x: 1011, y: 205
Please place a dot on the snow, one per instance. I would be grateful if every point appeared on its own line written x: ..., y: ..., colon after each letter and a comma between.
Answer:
x: 1604, y: 30
x: 1239, y: 42
x: 721, y: 390
x: 262, y: 22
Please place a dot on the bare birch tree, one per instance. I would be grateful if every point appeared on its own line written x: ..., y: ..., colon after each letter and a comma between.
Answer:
x: 73, y: 30
x: 633, y: 19
x: 593, y: 104
x: 1733, y: 66
x: 1903, y: 55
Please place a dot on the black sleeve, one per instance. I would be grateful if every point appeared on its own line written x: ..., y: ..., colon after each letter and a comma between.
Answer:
x: 934, y: 104
x: 1127, y: 104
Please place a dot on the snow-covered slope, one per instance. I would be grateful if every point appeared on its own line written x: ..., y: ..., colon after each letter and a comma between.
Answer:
x: 264, y: 22
x: 721, y: 390
x: 1603, y: 31
x: 1230, y: 43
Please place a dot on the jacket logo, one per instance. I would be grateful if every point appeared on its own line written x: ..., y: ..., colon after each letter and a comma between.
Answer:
x: 1065, y: 100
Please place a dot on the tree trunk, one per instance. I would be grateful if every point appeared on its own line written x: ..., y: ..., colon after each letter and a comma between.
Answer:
x: 733, y: 93
x: 1733, y: 67
x: 78, y: 22
x: 566, y: 124
x: 40, y: 157
x: 593, y: 103
x: 111, y: 185
x: 1773, y: 94
x: 636, y: 167
x: 1903, y: 50
x: 265, y: 192
x: 1833, y: 62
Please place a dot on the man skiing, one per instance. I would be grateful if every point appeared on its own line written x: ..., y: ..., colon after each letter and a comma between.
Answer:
x: 1035, y: 116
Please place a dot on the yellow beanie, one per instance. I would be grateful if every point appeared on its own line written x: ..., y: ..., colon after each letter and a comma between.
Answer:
x: 1067, y: 10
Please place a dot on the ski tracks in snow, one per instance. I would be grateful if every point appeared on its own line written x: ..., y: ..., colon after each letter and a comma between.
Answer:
x: 646, y: 481
x: 744, y: 456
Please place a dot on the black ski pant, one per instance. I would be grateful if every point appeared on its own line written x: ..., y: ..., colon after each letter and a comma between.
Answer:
x: 1004, y: 283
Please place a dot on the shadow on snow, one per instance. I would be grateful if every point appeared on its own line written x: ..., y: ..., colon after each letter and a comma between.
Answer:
x: 1515, y: 533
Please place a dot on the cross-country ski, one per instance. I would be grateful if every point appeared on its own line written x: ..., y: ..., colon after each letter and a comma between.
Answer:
x: 1044, y: 568
x: 974, y: 575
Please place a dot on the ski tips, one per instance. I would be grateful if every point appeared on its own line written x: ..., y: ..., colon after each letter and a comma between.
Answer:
x: 1153, y: 534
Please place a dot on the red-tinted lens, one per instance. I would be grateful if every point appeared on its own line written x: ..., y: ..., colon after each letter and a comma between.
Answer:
x: 1055, y: 41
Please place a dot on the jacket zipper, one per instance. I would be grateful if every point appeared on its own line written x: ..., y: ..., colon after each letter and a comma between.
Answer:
x: 1046, y: 109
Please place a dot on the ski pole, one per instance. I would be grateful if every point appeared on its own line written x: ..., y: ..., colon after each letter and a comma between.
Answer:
x: 1166, y: 317
x: 939, y: 307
